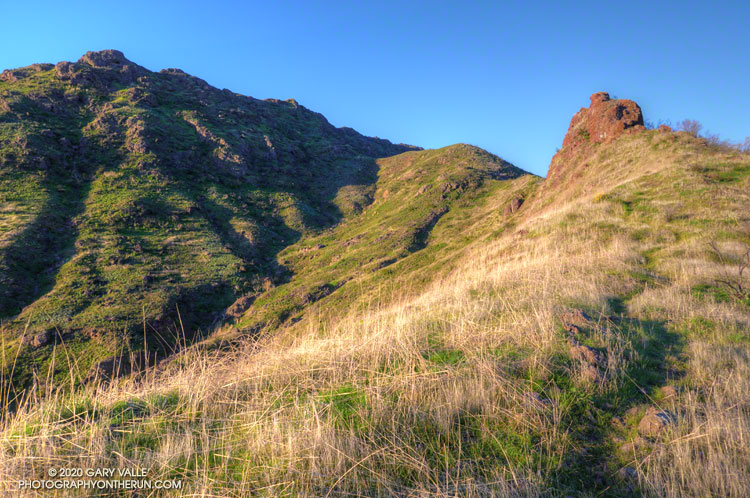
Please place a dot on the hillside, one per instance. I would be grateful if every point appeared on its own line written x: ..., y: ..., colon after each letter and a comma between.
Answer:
x: 137, y: 200
x: 438, y: 323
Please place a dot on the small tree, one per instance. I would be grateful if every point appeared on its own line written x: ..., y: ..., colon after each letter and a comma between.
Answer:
x: 734, y: 280
x: 690, y: 126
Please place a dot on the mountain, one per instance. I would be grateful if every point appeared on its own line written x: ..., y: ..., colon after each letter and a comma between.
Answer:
x: 139, y: 206
x: 309, y: 312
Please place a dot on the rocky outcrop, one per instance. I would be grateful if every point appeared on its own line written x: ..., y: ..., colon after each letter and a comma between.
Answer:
x: 13, y: 75
x: 603, y: 121
x: 110, y: 65
x: 104, y: 58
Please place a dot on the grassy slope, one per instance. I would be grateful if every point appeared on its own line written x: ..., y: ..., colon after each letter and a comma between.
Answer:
x: 426, y: 208
x: 468, y: 387
x: 134, y: 207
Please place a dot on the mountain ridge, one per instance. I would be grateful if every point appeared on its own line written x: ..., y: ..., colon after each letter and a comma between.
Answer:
x: 163, y: 192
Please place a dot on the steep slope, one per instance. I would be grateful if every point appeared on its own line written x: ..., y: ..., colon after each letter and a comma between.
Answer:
x: 136, y: 206
x: 427, y: 208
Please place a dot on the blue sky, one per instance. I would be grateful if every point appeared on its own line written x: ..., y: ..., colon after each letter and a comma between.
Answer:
x: 506, y: 76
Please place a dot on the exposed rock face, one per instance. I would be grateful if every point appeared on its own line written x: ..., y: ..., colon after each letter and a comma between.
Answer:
x: 603, y: 121
x: 240, y: 306
x: 104, y: 58
x: 117, y: 69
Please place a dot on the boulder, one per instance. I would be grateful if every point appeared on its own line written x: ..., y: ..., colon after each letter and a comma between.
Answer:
x: 513, y: 206
x: 64, y: 70
x: 118, y: 69
x: 627, y: 474
x: 39, y: 339
x: 654, y: 422
x: 9, y: 75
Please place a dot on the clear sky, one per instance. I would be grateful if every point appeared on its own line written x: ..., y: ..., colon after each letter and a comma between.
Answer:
x: 506, y: 76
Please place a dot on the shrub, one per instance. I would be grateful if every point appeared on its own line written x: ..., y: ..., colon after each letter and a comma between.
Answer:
x: 690, y: 126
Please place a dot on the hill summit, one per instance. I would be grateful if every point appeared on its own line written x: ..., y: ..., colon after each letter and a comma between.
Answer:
x: 603, y: 121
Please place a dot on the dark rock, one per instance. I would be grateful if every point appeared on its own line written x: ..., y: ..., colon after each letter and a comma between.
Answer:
x: 513, y: 206
x: 423, y: 189
x: 104, y: 58
x: 9, y: 75
x: 13, y: 75
x: 64, y: 70
x: 654, y: 422
x: 572, y: 330
x: 40, y: 339
x: 173, y: 70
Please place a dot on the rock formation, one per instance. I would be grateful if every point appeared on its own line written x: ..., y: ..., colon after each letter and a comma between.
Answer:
x: 603, y: 121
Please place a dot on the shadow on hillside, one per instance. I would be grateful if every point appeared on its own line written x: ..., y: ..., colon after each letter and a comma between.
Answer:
x: 654, y: 346
x: 201, y: 308
x: 29, y: 264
